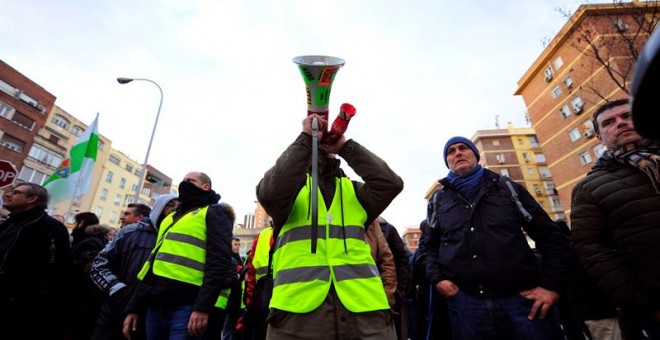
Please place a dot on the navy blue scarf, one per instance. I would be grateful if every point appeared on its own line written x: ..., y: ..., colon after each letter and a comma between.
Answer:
x: 468, y: 184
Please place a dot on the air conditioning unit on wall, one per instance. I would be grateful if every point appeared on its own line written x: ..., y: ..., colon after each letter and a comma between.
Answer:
x: 588, y: 133
x: 578, y: 109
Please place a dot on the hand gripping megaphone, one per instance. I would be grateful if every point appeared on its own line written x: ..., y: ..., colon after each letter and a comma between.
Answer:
x: 644, y: 89
x: 319, y: 72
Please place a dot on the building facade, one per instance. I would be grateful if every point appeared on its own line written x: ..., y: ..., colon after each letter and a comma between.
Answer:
x: 516, y: 153
x: 590, y: 61
x: 24, y: 108
x: 51, y: 146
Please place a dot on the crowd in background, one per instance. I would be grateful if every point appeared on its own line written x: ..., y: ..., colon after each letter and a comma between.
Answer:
x: 173, y: 270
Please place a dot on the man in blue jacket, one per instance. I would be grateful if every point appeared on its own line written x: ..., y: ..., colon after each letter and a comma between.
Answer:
x: 115, y: 268
x: 479, y: 258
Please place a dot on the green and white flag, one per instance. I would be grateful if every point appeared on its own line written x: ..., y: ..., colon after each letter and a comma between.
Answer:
x: 74, y: 175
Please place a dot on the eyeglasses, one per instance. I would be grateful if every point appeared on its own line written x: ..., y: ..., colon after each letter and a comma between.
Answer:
x: 18, y: 192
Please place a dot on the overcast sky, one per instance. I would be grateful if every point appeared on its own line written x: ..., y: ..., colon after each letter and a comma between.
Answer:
x: 418, y: 72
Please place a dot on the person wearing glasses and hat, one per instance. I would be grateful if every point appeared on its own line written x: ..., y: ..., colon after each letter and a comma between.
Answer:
x: 35, y: 266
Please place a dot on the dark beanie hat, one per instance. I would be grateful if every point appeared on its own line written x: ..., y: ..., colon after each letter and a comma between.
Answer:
x: 463, y: 140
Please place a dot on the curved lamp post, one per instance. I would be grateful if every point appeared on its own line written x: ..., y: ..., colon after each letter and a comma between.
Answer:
x: 123, y: 80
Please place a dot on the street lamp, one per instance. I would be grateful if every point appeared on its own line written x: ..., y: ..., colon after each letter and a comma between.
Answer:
x: 123, y: 80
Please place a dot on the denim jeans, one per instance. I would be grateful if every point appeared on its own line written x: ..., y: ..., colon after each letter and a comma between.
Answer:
x: 171, y: 323
x: 497, y: 318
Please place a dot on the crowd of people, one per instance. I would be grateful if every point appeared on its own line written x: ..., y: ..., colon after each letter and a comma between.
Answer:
x: 334, y: 268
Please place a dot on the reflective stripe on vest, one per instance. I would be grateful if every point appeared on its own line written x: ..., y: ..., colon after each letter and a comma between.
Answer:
x: 181, y: 251
x: 302, y: 279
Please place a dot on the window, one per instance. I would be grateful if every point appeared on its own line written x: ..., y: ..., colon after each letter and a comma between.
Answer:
x: 104, y: 195
x: 585, y: 158
x: 539, y: 157
x: 531, y: 171
x: 500, y: 158
x: 558, y: 63
x: 556, y: 92
x: 555, y: 201
x: 122, y: 183
x: 43, y: 155
x: 61, y: 122
x: 138, y: 172
x: 128, y: 167
x: 599, y: 150
x: 620, y: 25
x: 134, y: 188
x: 117, y: 199
x: 578, y: 104
x: 12, y: 143
x: 108, y: 177
x: 575, y: 134
x: 146, y: 191
x: 23, y: 121
x: 520, y: 141
x: 130, y: 199
x: 30, y: 175
x: 550, y: 187
x: 565, y: 111
x: 525, y: 157
x: 568, y: 82
x: 99, y: 211
x: 496, y: 142
x: 77, y: 130
x: 54, y: 139
x: 548, y: 74
x: 113, y: 217
x: 533, y: 141
x: 113, y: 159
x: 5, y: 110
x: 504, y: 172
x: 101, y: 145
x: 545, y: 172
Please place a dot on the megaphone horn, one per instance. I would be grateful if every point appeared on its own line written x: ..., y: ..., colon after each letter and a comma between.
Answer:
x: 318, y: 72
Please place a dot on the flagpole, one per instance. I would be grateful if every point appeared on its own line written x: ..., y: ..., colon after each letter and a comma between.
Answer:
x: 81, y: 175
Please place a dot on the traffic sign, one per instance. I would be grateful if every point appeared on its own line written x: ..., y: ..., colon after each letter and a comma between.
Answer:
x: 7, y: 173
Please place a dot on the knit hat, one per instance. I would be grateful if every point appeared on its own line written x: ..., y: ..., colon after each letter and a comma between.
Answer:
x: 463, y: 140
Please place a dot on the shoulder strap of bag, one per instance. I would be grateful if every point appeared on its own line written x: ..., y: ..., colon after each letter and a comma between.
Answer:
x: 506, y: 181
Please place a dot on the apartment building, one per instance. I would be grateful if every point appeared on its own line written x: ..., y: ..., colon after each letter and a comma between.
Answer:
x: 590, y: 61
x: 516, y: 153
x: 24, y: 107
x: 52, y: 145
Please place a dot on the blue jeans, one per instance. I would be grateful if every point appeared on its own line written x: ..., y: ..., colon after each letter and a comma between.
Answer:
x: 171, y: 323
x: 497, y: 318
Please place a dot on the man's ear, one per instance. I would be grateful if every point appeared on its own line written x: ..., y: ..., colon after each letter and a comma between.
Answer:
x: 599, y: 138
x: 32, y: 199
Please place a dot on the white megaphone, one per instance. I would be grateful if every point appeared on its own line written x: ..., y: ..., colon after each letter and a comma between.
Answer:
x: 318, y: 72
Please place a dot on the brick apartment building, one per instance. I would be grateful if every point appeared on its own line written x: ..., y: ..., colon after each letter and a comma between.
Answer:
x: 567, y: 82
x: 24, y: 108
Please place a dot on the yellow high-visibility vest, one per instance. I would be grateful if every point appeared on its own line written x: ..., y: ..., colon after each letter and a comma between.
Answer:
x: 343, y: 258
x: 181, y: 251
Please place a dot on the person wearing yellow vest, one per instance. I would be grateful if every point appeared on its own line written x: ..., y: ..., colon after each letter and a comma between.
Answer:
x: 185, y: 282
x: 258, y: 286
x: 335, y: 292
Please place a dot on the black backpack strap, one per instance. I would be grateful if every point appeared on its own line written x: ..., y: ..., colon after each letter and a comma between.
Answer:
x: 506, y: 181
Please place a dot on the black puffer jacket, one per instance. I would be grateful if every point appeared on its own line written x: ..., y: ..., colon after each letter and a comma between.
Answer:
x: 479, y: 244
x: 615, y: 217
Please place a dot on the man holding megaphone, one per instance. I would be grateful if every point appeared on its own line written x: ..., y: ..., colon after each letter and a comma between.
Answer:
x: 326, y: 284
